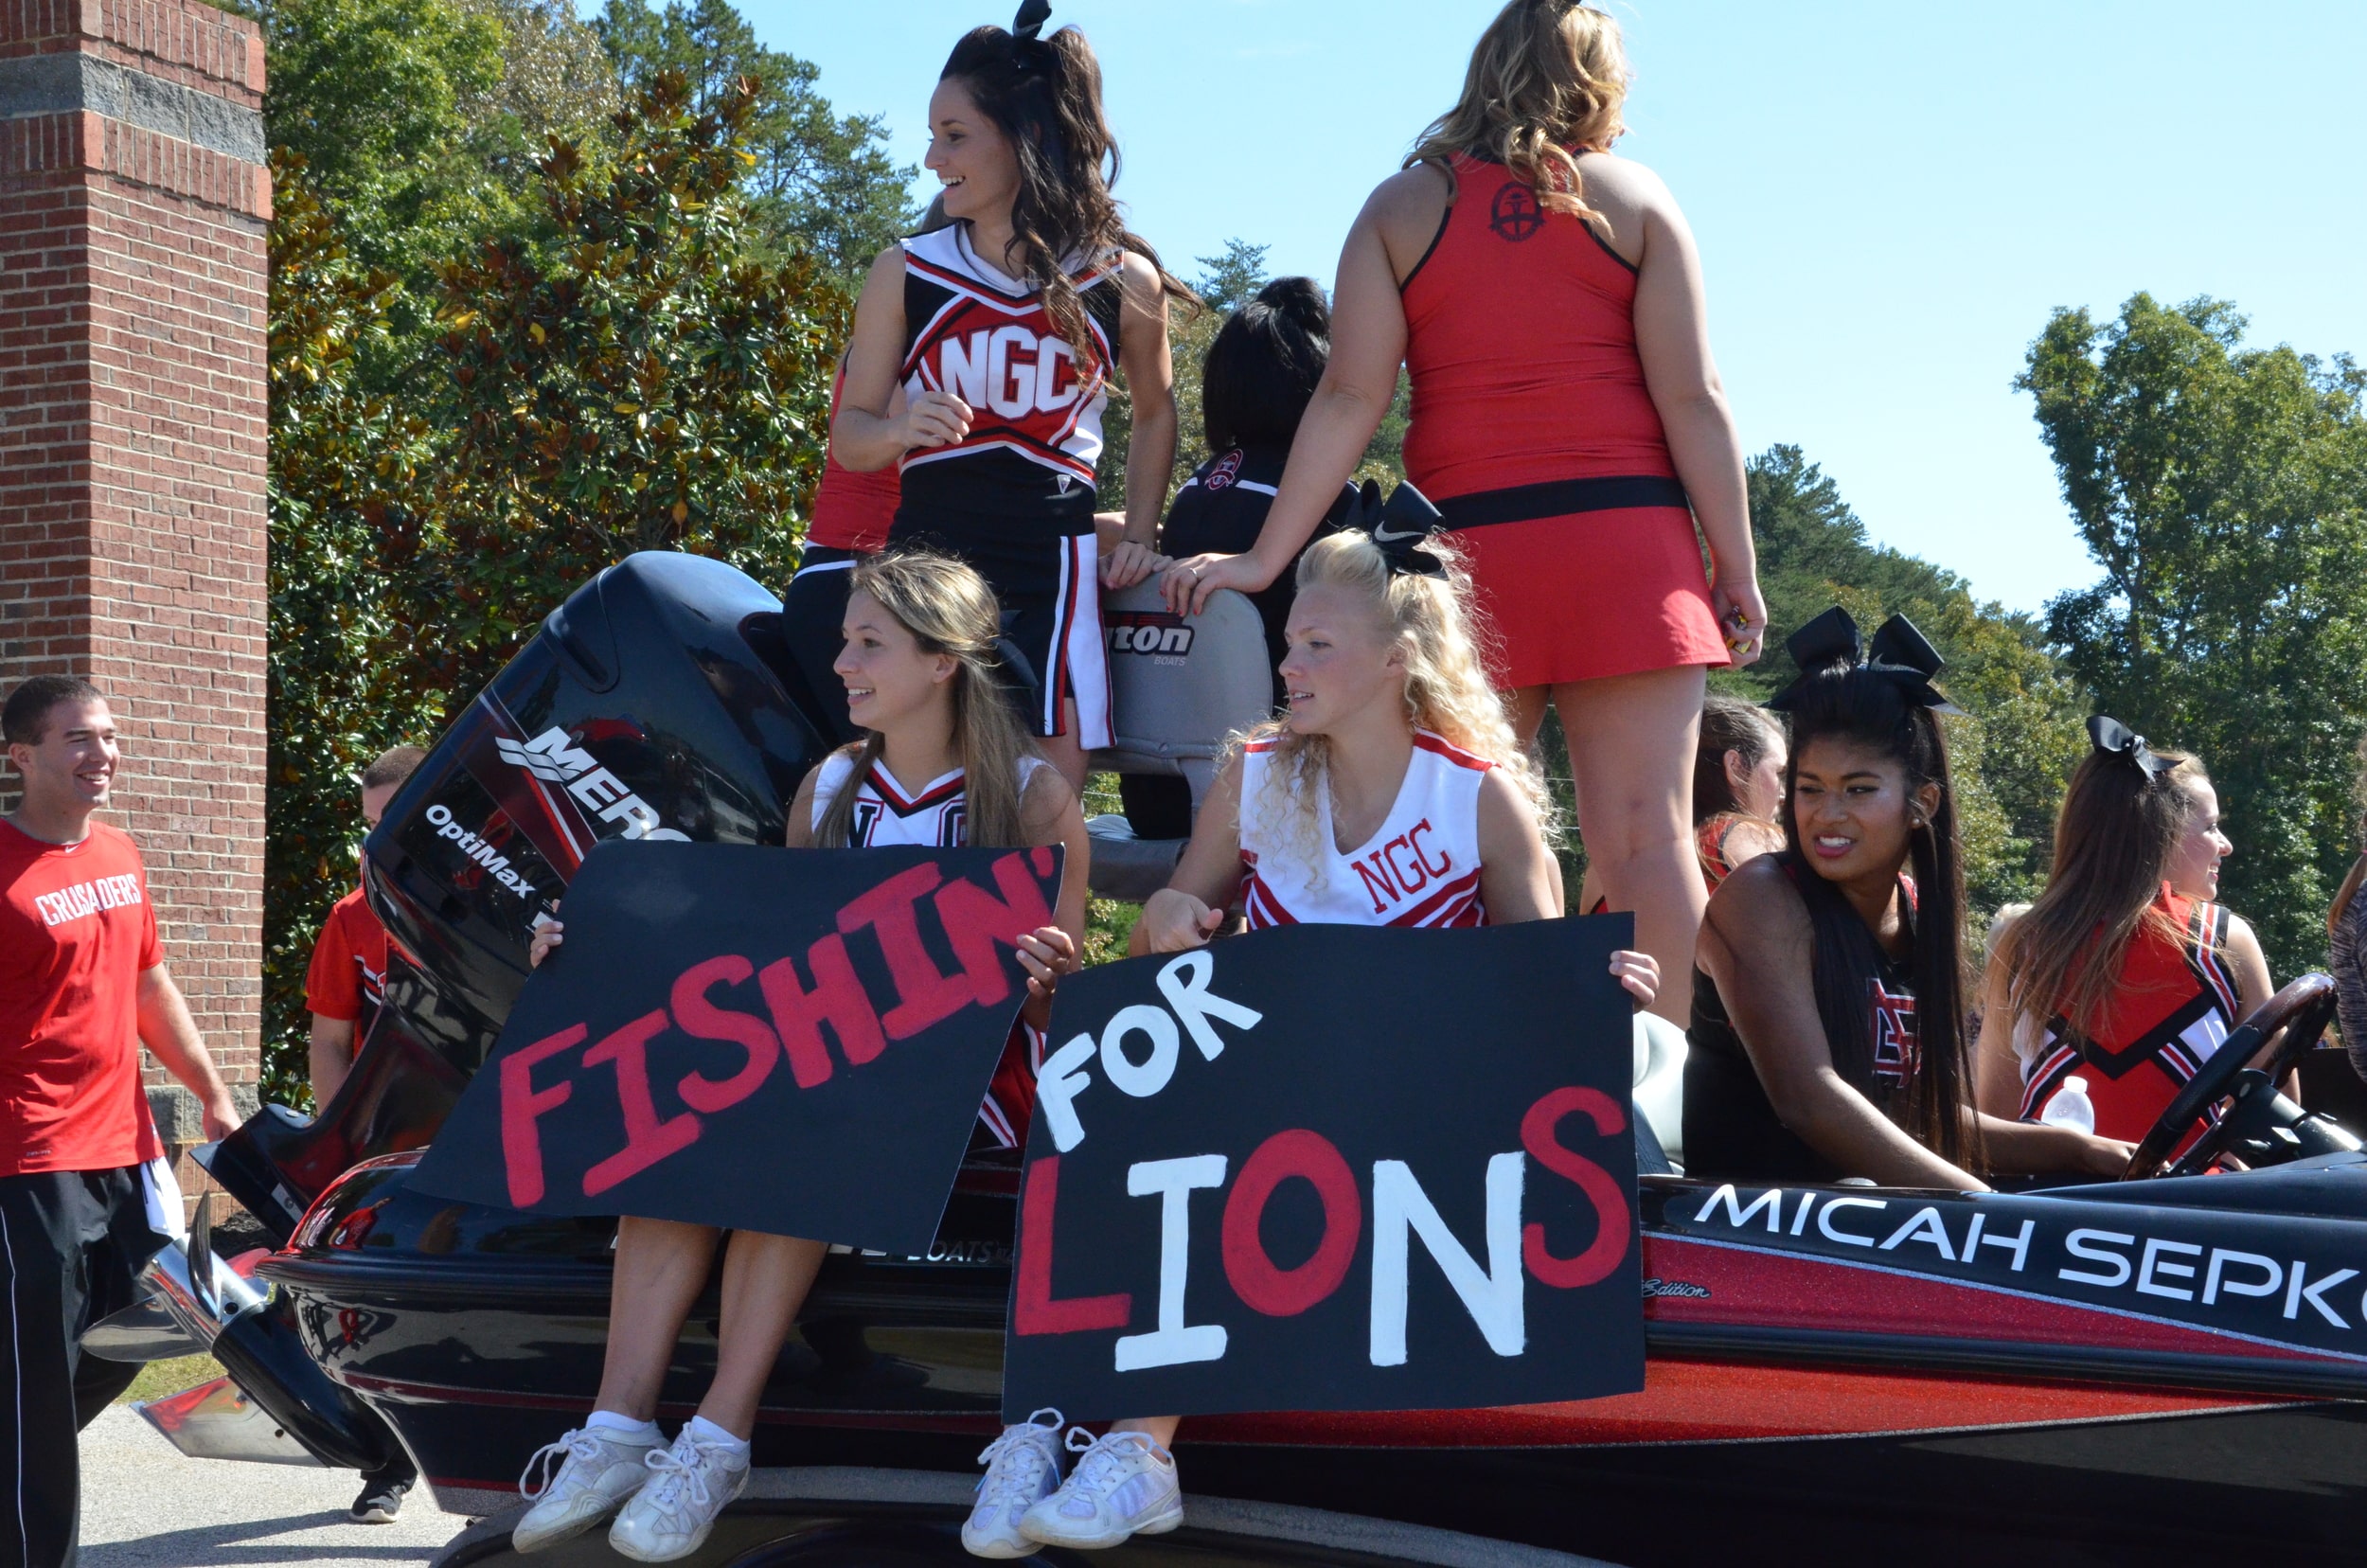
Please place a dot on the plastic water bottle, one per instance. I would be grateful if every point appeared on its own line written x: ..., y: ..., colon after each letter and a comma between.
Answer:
x: 2070, y: 1107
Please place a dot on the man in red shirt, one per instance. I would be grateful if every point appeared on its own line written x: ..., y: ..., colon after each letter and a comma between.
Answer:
x: 82, y: 986
x: 343, y: 983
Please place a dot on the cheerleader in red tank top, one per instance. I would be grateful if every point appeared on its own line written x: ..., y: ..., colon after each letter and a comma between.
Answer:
x: 1003, y: 330
x: 851, y: 515
x: 1351, y: 811
x: 1544, y: 300
x: 2125, y: 972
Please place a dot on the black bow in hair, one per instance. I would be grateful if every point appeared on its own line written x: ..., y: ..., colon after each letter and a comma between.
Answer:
x: 1400, y: 526
x: 1029, y: 52
x: 2114, y: 739
x: 1900, y: 654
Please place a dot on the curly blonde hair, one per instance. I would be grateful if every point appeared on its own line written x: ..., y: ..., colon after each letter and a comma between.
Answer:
x: 1547, y: 77
x: 1446, y: 689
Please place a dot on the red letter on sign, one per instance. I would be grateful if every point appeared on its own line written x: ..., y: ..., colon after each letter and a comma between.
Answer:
x: 974, y: 920
x: 1033, y: 1310
x: 702, y: 1020
x: 523, y: 1104
x: 1611, y: 1217
x: 837, y: 999
x: 648, y: 1140
x: 924, y: 996
x: 1285, y: 1293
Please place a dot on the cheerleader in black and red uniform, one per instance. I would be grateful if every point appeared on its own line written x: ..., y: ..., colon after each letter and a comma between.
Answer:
x: 2127, y: 974
x: 1002, y: 329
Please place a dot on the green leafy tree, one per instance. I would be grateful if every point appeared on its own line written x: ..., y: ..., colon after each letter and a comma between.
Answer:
x: 817, y: 182
x: 638, y: 378
x: 2223, y: 491
x: 1229, y: 281
x: 342, y: 458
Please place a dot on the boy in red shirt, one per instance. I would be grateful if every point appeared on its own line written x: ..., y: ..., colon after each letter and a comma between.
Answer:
x: 343, y: 985
x: 82, y: 985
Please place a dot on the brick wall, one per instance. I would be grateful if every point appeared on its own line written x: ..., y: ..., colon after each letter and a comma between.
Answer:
x: 132, y: 419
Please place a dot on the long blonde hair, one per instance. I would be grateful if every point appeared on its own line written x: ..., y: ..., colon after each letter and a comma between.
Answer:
x: 1446, y: 689
x: 949, y: 609
x: 1546, y: 76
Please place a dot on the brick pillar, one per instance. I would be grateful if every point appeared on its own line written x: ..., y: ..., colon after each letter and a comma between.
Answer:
x: 133, y: 204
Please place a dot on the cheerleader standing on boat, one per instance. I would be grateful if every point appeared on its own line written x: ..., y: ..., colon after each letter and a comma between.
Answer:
x: 1003, y: 330
x: 945, y: 761
x: 1391, y: 722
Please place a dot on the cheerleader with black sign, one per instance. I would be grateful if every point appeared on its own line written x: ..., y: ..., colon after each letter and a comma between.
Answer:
x: 1393, y: 736
x: 945, y: 760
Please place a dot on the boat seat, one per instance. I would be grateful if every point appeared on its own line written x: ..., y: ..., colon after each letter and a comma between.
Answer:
x: 1659, y: 1083
x: 1180, y: 687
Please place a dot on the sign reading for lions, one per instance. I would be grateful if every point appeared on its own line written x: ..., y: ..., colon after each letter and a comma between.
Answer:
x: 1334, y: 1168
x: 758, y: 1039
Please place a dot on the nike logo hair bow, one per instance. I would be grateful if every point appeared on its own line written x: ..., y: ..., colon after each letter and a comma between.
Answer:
x: 1899, y: 654
x: 1400, y: 526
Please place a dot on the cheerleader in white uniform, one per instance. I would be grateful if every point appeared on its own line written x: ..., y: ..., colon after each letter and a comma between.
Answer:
x: 947, y: 761
x: 1392, y: 793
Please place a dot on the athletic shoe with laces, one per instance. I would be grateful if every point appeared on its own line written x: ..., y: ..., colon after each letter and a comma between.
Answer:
x: 1022, y: 1468
x: 689, y: 1484
x: 378, y: 1502
x: 1123, y: 1486
x: 585, y: 1475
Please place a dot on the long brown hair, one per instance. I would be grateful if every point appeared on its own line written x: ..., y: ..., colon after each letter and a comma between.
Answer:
x: 949, y: 609
x: 1546, y: 76
x: 1729, y: 725
x: 2349, y: 889
x: 1044, y: 96
x: 2114, y: 839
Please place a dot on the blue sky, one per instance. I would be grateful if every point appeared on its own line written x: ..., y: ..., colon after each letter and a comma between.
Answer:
x: 1889, y: 197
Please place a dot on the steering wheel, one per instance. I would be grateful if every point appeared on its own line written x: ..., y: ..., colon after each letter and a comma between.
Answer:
x: 2301, y: 1009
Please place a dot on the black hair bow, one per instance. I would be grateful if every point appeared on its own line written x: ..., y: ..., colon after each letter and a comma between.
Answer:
x: 2114, y: 739
x: 1400, y: 526
x: 1899, y: 654
x: 1029, y: 23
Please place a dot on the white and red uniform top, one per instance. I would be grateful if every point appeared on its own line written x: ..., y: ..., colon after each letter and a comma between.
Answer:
x: 937, y: 817
x: 1421, y: 867
x: 974, y: 330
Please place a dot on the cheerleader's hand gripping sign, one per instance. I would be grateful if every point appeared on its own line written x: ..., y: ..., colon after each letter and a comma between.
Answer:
x: 756, y: 1039
x: 1334, y: 1168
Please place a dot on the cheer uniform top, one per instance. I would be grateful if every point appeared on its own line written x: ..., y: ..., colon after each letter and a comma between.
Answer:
x: 1533, y: 431
x: 1421, y: 867
x: 937, y: 817
x: 1731, y: 1132
x: 2173, y: 1006
x: 1220, y: 510
x: 1015, y: 496
x: 1709, y: 844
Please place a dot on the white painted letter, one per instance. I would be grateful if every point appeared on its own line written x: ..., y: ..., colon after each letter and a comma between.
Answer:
x: 1173, y: 1341
x: 1057, y: 1088
x: 1184, y: 984
x: 1493, y: 1298
x: 1150, y: 1077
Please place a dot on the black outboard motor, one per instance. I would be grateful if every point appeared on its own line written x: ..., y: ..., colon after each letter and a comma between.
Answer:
x: 652, y: 704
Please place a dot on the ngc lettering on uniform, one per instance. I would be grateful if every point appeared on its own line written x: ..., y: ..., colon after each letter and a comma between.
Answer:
x: 86, y: 898
x: 1401, y: 867
x: 990, y: 368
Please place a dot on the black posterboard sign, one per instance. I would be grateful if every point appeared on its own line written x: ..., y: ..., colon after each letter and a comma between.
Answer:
x: 772, y: 1040
x: 1334, y: 1168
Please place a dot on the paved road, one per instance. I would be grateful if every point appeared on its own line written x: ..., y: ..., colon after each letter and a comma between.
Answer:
x: 146, y: 1506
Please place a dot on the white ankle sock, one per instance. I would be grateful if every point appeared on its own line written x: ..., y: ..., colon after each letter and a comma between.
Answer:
x: 712, y: 1436
x: 607, y: 1420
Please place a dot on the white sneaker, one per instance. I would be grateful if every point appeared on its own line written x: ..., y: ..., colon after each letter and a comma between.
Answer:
x: 689, y: 1484
x: 1022, y: 1468
x: 596, y: 1469
x: 1125, y: 1484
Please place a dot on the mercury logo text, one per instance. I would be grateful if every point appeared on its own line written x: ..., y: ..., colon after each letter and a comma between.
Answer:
x: 549, y: 756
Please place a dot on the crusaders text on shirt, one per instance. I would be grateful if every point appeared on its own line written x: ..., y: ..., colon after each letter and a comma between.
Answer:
x: 76, y: 933
x: 1035, y: 434
x: 1421, y: 867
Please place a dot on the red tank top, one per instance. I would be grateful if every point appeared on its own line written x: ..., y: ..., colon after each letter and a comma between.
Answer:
x: 851, y: 511
x: 1521, y: 346
x: 2173, y: 1006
